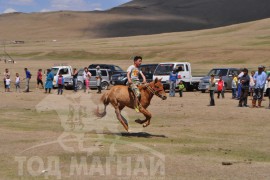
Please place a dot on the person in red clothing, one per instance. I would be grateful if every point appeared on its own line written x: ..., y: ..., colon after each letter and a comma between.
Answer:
x: 220, y: 87
x: 60, y: 84
x: 39, y: 79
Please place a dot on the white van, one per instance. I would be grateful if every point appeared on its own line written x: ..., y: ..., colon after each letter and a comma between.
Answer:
x: 66, y: 71
x: 163, y: 71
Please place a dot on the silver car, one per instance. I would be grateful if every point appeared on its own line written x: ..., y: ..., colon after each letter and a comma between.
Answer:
x: 93, y: 82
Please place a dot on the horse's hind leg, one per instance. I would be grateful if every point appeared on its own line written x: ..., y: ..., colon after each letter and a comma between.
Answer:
x: 147, y: 115
x: 122, y: 120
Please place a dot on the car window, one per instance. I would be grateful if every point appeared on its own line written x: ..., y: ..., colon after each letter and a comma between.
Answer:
x: 117, y: 68
x: 63, y: 71
x: 80, y: 72
x: 93, y: 72
x: 54, y: 71
x: 180, y: 67
x: 103, y: 73
x: 218, y: 72
x: 164, y: 69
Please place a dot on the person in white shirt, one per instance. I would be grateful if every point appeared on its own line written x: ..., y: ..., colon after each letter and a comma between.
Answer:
x: 17, y: 83
x: 8, y: 81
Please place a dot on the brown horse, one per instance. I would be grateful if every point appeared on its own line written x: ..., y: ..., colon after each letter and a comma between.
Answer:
x: 122, y: 96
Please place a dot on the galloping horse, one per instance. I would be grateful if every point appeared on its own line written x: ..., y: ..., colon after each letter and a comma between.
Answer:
x: 122, y: 96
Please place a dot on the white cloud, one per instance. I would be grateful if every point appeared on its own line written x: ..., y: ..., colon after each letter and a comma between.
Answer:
x: 9, y: 10
x: 76, y: 5
x: 21, y: 2
x: 45, y: 10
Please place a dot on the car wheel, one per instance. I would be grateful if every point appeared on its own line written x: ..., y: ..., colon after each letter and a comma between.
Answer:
x: 104, y: 85
x: 203, y: 91
x: 79, y: 85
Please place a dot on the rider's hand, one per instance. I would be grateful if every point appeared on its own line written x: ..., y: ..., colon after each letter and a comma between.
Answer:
x: 144, y: 82
x: 130, y: 82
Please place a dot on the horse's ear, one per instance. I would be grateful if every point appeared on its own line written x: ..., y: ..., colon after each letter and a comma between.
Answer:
x: 156, y: 80
x: 160, y: 79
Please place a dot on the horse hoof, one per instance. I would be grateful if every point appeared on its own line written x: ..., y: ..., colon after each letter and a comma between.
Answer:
x: 145, y: 125
x: 138, y: 121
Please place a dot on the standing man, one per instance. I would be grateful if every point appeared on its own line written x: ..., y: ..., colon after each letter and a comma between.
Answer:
x: 268, y: 88
x: 27, y: 79
x: 99, y: 78
x: 212, y: 88
x: 244, y: 80
x: 75, y: 80
x: 259, y: 80
x: 172, y: 79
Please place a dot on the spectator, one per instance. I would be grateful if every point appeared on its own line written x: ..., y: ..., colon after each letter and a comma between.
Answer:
x: 234, y: 86
x: 49, y: 81
x: 220, y: 87
x: 75, y: 80
x: 86, y: 79
x: 268, y: 89
x: 172, y: 79
x: 39, y: 79
x: 17, y: 83
x: 99, y: 78
x: 60, y: 83
x: 244, y: 80
x: 27, y: 78
x: 8, y: 81
x: 6, y: 73
x: 181, y: 88
x: 212, y: 88
x: 259, y: 80
x: 239, y: 84
x: 251, y: 83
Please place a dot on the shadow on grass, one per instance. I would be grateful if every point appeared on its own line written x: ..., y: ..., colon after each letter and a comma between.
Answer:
x: 141, y: 134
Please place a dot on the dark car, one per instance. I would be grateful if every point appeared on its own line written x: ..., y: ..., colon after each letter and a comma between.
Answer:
x: 147, y: 69
x: 113, y: 69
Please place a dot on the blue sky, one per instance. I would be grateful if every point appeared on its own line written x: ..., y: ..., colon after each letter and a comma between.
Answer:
x: 28, y: 6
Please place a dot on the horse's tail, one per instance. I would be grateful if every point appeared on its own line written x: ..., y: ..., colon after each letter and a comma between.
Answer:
x: 104, y: 99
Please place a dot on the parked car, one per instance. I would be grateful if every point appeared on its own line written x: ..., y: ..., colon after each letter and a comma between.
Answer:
x: 227, y: 76
x: 112, y: 69
x: 105, y: 83
x: 163, y: 71
x: 147, y: 69
x: 66, y: 71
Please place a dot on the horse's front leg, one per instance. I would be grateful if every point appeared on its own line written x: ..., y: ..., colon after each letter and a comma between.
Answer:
x: 147, y: 115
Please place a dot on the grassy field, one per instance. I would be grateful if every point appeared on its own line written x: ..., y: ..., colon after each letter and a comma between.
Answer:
x: 186, y: 137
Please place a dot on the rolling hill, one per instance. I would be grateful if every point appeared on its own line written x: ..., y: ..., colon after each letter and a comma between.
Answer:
x: 138, y: 17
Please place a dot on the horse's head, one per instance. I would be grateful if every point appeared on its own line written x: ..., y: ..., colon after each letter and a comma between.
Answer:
x: 158, y: 90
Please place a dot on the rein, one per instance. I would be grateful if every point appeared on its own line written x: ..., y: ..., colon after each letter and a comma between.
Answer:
x: 153, y: 91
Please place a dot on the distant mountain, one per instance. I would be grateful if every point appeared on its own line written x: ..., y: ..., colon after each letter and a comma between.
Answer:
x: 138, y: 17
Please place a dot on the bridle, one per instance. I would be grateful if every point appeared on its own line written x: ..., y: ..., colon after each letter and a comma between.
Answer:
x: 154, y: 90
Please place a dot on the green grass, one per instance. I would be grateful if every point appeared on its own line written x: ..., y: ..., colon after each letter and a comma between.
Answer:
x: 30, y: 120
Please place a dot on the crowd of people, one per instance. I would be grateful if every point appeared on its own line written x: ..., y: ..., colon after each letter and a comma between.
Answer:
x: 48, y: 86
x: 242, y: 85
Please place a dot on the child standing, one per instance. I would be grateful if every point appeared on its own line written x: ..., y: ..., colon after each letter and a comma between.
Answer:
x: 181, y: 87
x: 8, y: 81
x: 234, y: 86
x: 251, y: 83
x: 220, y: 86
x: 60, y: 83
x: 17, y: 83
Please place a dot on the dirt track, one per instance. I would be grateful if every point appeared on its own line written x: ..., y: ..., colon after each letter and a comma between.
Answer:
x: 193, y: 141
